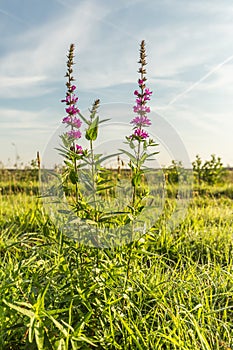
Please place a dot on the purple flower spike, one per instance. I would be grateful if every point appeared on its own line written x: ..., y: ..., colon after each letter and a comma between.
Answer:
x: 142, y: 96
x: 71, y: 108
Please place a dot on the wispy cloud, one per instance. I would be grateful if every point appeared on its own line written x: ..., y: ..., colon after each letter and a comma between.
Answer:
x: 12, y: 119
x: 39, y: 54
x: 12, y: 16
x: 189, y: 49
x: 172, y: 49
x: 206, y: 76
x: 23, y: 86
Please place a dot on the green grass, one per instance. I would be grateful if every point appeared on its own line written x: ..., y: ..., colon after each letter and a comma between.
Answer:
x: 175, y: 291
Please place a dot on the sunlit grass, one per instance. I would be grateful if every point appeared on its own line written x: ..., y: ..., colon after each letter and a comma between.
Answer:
x: 63, y: 295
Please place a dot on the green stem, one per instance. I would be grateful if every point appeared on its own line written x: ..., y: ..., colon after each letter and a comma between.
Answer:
x: 92, y: 168
x: 128, y: 264
x: 93, y: 171
x: 138, y: 168
x: 137, y: 171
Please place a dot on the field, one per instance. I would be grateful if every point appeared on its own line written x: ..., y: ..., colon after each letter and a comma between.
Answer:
x: 171, y: 289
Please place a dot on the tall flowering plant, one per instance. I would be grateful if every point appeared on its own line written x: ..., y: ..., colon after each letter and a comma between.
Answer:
x: 71, y: 150
x: 139, y: 141
x: 84, y: 169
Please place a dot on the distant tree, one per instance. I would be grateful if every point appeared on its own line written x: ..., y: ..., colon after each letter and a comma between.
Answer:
x: 197, y: 169
x: 210, y: 172
x: 174, y: 172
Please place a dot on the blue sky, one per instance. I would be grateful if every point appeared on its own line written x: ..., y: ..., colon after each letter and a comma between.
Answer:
x: 190, y: 69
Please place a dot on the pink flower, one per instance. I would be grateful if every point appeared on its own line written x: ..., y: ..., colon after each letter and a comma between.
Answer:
x: 136, y: 92
x: 141, y: 133
x: 70, y: 99
x: 141, y: 121
x: 72, y: 110
x: 79, y: 149
x: 139, y: 101
x: 73, y: 87
x: 147, y: 92
x: 73, y: 99
x: 146, y: 98
x: 74, y: 134
x: 141, y: 109
x: 66, y: 120
x: 76, y: 122
x: 140, y: 81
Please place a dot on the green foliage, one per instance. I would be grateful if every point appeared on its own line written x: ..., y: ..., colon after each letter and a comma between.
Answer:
x: 19, y: 181
x: 86, y: 173
x: 92, y: 130
x: 55, y: 295
x: 175, y: 173
x: 210, y: 172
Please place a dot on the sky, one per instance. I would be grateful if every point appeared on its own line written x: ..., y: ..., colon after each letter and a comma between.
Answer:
x: 190, y: 71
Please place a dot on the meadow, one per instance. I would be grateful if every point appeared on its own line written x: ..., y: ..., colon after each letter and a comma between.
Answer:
x: 94, y: 258
x: 170, y: 289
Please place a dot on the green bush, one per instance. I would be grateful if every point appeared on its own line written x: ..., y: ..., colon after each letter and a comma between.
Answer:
x: 210, y: 172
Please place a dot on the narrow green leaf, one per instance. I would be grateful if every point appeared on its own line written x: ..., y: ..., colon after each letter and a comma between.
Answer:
x: 86, y: 340
x: 73, y: 176
x: 39, y: 334
x: 131, y: 156
x: 57, y: 324
x: 62, y: 345
x: 171, y: 339
x: 131, y: 332
x: 107, y: 157
x: 92, y: 131
x: 84, y: 119
x: 136, y: 179
x: 31, y: 330
x: 104, y: 120
x: 21, y: 310
x: 83, y: 322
